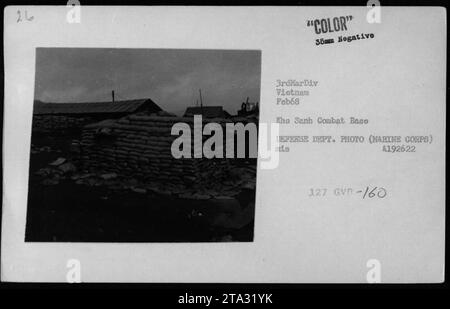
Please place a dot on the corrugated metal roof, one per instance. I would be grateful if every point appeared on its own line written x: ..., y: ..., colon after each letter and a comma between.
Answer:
x: 128, y: 106
x: 206, y: 111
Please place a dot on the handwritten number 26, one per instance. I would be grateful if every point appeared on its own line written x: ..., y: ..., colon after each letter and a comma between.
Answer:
x: 19, y: 16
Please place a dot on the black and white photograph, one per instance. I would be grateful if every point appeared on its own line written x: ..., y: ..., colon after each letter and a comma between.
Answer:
x: 101, y: 166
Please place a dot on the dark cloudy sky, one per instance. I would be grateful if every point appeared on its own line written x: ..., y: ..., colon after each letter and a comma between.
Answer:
x: 170, y: 77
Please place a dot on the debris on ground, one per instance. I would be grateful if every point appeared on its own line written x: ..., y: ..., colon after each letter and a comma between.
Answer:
x: 58, y: 161
x: 139, y: 190
x: 109, y: 176
x: 35, y: 149
x: 44, y: 171
x: 67, y: 167
x: 57, y: 171
x: 81, y: 176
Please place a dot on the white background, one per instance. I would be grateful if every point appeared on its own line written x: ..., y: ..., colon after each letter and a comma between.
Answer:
x: 396, y: 80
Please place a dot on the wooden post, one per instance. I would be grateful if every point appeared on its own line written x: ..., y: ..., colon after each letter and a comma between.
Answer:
x: 201, y: 100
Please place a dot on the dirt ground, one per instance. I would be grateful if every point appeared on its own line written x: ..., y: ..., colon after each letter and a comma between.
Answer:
x: 70, y: 212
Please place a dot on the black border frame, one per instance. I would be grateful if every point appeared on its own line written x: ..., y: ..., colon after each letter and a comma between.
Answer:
x: 282, y: 293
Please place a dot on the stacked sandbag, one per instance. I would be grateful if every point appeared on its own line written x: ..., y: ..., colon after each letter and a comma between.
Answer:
x: 139, y: 146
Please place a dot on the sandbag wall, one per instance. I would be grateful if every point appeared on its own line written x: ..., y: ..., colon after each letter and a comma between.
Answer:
x: 139, y: 146
x: 58, y: 123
